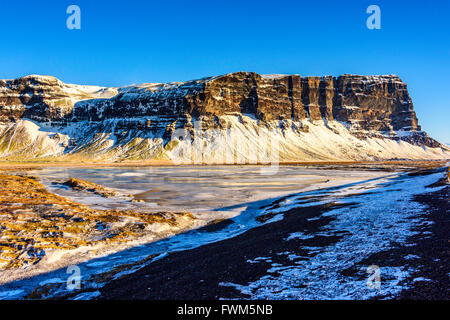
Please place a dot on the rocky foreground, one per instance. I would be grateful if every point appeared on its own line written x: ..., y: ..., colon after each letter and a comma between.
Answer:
x: 36, y: 225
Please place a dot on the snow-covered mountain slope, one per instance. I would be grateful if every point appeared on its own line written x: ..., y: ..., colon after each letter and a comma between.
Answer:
x: 235, y: 118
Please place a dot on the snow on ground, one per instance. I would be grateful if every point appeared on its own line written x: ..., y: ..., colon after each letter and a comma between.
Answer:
x: 94, y: 261
x: 384, y: 215
x: 381, y: 217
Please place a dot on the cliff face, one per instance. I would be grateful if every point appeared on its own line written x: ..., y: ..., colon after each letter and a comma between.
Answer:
x: 376, y: 102
x: 368, y: 106
x: 43, y: 98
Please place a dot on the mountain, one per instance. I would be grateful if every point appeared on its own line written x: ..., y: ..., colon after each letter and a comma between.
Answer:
x: 240, y: 117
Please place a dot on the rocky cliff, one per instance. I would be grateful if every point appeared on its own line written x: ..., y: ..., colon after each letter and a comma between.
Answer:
x: 351, y: 117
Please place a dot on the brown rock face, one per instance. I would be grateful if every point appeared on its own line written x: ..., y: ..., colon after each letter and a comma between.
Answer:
x: 376, y: 103
x: 372, y: 102
x: 42, y: 98
x: 38, y: 98
x: 366, y: 103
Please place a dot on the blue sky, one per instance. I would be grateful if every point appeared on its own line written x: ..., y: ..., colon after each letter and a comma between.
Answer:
x: 135, y: 41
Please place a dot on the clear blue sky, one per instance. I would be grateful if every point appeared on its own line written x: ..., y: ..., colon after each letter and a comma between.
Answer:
x: 135, y: 41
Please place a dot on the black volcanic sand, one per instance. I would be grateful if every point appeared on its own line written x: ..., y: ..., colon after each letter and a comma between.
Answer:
x: 430, y: 249
x: 196, y: 273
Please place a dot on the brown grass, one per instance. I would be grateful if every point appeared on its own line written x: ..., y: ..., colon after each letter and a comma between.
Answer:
x: 33, y: 220
x: 29, y: 165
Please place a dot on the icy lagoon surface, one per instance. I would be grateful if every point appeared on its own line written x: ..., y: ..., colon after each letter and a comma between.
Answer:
x: 210, y: 192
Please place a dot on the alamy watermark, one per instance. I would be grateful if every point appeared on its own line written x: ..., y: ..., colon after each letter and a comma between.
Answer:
x: 228, y: 145
x: 374, y: 280
x: 74, y: 280
x: 73, y: 22
x: 374, y: 20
